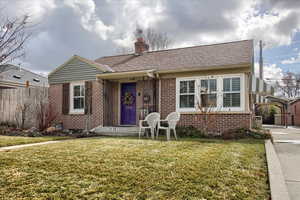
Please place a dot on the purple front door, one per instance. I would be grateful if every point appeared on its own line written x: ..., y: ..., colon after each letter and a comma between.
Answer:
x: 128, y: 104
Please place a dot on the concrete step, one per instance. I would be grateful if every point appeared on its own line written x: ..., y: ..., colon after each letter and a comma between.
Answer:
x: 116, y: 130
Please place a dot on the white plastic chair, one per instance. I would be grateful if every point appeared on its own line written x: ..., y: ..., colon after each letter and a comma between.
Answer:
x: 171, y: 122
x: 151, y: 123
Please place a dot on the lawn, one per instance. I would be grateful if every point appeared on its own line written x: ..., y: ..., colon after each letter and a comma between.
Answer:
x: 128, y: 168
x: 16, y: 140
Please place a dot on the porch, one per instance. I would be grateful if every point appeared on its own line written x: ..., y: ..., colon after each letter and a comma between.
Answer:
x: 128, y: 99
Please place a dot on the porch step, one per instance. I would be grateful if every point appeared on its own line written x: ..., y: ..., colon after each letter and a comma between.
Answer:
x: 116, y: 130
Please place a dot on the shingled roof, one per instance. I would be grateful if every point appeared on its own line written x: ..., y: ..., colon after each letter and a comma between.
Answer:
x: 197, y: 57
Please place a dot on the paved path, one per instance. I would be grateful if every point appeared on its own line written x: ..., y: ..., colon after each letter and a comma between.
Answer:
x: 26, y: 145
x: 287, y: 146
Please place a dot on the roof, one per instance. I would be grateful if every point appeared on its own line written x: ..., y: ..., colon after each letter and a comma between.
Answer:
x: 101, y: 67
x: 197, y: 57
x: 16, y: 76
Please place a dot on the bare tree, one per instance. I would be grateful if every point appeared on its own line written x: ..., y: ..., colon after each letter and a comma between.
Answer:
x: 155, y: 39
x: 22, y: 112
x: 289, y: 85
x: 13, y: 35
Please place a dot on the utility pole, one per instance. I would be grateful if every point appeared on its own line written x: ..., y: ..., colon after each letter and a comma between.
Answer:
x: 261, y: 71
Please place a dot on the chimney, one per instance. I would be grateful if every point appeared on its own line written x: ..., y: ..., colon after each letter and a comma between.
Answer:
x: 140, y: 45
x: 261, y: 70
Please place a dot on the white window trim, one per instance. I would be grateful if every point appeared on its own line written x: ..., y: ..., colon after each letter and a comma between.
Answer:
x: 72, y: 110
x: 219, y: 107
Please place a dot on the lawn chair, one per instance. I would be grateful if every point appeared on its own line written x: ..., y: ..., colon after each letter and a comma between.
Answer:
x: 169, y: 124
x: 150, y: 122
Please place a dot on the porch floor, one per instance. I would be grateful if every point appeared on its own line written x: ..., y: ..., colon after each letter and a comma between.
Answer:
x: 116, y: 130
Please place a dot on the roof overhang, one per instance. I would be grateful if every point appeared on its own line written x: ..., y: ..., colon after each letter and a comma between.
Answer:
x: 128, y: 74
x: 155, y: 72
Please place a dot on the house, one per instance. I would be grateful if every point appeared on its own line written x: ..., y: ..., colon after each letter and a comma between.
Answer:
x: 118, y: 91
x: 19, y: 87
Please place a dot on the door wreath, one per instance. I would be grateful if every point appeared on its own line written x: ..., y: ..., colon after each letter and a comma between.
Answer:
x: 128, y: 99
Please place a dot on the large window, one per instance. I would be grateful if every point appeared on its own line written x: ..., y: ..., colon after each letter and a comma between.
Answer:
x: 220, y: 92
x: 77, y: 97
x: 208, y: 92
x: 187, y: 94
x: 231, y: 92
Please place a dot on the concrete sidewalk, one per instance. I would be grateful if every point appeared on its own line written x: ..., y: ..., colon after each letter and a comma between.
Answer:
x: 287, y: 147
x: 26, y: 145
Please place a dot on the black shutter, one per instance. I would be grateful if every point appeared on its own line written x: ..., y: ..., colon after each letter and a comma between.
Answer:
x: 88, y: 97
x: 66, y: 98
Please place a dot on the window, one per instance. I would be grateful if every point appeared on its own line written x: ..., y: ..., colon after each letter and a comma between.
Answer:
x: 208, y: 92
x: 187, y: 94
x: 222, y: 93
x: 231, y: 92
x: 77, y: 98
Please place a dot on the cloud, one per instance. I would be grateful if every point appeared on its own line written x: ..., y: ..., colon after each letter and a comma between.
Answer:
x: 291, y: 60
x: 93, y: 28
x: 271, y: 72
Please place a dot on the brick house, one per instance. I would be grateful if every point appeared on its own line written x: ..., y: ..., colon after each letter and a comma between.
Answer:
x: 117, y: 91
x: 294, y: 112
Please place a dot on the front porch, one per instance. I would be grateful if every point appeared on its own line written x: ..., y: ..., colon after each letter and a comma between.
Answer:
x: 128, y: 100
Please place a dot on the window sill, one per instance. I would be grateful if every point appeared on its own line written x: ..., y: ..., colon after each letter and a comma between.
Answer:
x: 76, y: 112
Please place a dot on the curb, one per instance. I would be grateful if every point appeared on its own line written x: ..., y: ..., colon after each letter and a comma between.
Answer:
x: 276, y: 179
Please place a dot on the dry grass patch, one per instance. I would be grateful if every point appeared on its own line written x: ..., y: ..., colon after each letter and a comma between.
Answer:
x: 122, y: 168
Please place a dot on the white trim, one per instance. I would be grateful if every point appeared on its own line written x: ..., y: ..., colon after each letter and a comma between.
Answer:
x: 72, y: 110
x: 219, y: 107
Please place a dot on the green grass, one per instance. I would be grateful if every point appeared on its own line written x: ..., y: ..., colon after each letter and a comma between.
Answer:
x: 16, y: 140
x: 127, y: 168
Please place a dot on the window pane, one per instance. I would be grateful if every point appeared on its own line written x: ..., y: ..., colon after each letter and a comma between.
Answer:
x: 236, y: 84
x: 183, y: 86
x: 209, y: 100
x: 226, y: 84
x: 213, y: 85
x: 236, y: 100
x: 191, y: 86
x: 187, y: 101
x: 76, y: 90
x: 78, y: 103
x: 227, y: 100
x: 82, y: 91
x: 204, y: 85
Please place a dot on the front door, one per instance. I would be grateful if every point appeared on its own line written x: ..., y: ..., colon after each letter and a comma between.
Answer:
x: 128, y: 104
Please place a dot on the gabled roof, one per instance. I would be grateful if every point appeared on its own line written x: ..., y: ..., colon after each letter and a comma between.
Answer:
x: 229, y: 54
x: 101, y: 67
x: 16, y: 76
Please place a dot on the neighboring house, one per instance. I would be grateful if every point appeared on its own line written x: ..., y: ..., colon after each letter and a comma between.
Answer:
x: 294, y: 112
x: 19, y: 87
x: 120, y: 90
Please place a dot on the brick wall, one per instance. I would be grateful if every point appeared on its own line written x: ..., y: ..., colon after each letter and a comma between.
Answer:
x: 218, y: 122
x: 294, y: 110
x: 77, y: 121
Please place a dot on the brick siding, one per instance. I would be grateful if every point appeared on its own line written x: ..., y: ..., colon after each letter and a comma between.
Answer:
x: 218, y: 122
x: 77, y: 121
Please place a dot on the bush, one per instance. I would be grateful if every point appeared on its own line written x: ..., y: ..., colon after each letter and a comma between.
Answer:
x: 192, y: 132
x: 241, y: 133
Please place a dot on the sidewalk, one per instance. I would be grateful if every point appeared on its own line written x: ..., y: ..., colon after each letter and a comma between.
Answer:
x: 287, y: 147
x: 26, y: 145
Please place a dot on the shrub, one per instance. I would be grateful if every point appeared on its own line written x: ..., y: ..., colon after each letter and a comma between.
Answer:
x: 241, y: 133
x: 190, y: 131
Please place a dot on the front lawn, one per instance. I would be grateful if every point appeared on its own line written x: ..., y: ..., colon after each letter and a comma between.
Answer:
x: 127, y: 168
x: 16, y: 140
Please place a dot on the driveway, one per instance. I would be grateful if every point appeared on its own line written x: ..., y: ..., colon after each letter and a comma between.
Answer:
x: 287, y: 146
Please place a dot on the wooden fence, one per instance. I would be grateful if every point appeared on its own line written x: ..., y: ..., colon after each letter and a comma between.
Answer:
x: 13, y: 100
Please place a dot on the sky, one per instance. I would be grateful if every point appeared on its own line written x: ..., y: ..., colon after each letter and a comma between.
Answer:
x: 96, y: 28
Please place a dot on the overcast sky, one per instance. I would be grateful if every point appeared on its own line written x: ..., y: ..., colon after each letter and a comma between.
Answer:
x: 95, y: 28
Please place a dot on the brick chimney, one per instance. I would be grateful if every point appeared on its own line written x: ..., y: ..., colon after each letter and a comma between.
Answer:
x: 140, y: 45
